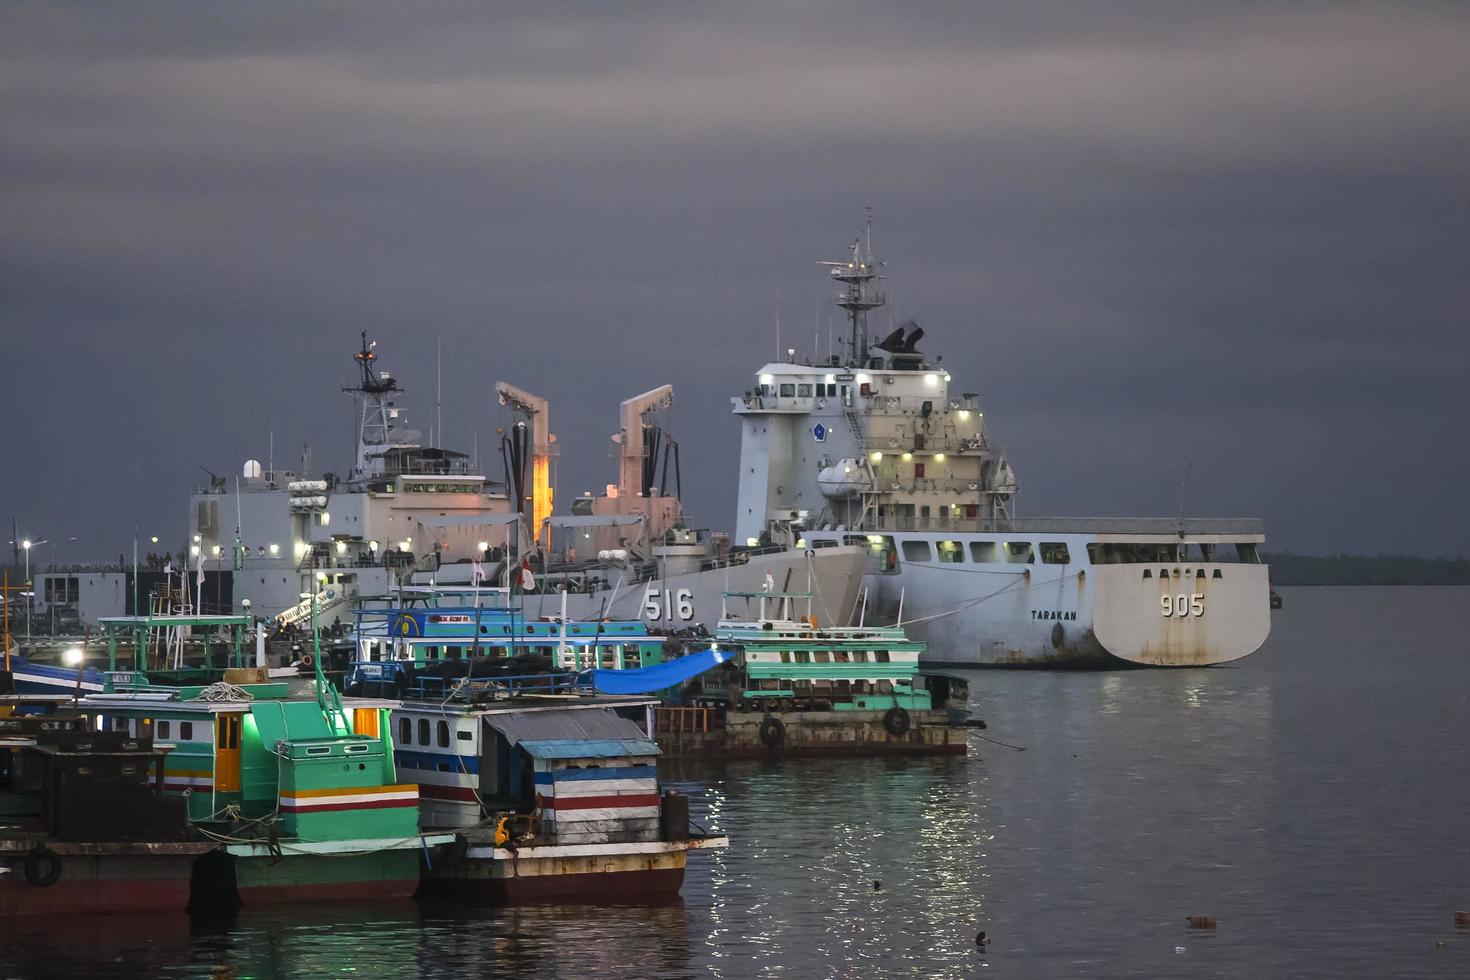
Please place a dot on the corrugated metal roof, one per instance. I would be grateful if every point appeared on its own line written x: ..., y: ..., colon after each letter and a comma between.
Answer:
x: 576, y: 726
x: 587, y: 748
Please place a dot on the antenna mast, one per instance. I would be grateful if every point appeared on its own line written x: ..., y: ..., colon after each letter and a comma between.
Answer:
x: 859, y: 295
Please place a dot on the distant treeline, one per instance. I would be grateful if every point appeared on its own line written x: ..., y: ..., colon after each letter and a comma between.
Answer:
x: 1290, y: 569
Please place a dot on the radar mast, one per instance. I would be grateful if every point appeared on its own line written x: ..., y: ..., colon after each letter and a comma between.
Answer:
x: 858, y: 275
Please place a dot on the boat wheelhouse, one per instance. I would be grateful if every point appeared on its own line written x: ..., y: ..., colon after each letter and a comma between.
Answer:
x: 422, y: 633
x: 300, y: 795
x: 551, y: 787
x: 789, y: 659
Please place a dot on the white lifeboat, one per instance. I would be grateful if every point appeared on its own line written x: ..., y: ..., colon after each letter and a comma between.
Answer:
x: 845, y: 479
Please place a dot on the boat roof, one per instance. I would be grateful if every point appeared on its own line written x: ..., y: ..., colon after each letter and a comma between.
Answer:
x: 573, y: 734
x: 175, y: 620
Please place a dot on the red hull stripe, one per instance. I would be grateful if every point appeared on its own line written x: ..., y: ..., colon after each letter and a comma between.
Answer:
x: 462, y: 793
x: 598, y: 802
x: 289, y: 807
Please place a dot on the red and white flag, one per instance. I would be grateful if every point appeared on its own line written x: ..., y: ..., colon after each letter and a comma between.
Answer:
x: 528, y: 581
x: 478, y: 574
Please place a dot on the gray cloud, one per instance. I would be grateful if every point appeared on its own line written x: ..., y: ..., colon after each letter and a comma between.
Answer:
x: 1146, y: 233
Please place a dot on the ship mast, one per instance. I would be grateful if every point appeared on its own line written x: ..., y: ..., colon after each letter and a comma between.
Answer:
x: 860, y: 295
x: 375, y: 412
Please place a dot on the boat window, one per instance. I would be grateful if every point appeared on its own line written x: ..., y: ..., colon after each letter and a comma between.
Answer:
x: 453, y: 653
x: 405, y: 731
x: 359, y: 747
x: 319, y: 750
x: 788, y: 390
x: 824, y: 543
x: 881, y: 657
x: 186, y: 731
x: 1053, y: 553
x: 443, y: 734
x: 821, y: 657
x: 162, y: 730
x: 785, y: 657
x: 951, y: 552
x: 882, y: 552
x: 984, y: 552
x: 803, y: 391
x: 1247, y: 553
x: 916, y: 551
x: 465, y: 736
x: 1018, y: 552
x: 423, y: 731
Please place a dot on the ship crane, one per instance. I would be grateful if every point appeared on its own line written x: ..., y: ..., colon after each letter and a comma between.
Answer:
x: 536, y: 410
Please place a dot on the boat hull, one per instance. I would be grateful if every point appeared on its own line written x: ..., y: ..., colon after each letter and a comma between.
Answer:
x: 101, y: 883
x: 31, y: 677
x: 601, y: 873
x: 1100, y: 616
x: 262, y: 880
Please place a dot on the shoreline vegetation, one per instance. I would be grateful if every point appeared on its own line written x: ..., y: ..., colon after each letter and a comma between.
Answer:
x: 1293, y: 569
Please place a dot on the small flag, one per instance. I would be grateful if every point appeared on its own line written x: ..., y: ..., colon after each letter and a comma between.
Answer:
x: 528, y: 581
x: 478, y: 575
x: 199, y: 578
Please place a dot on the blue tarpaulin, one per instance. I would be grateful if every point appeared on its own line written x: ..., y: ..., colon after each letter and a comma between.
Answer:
x: 656, y: 677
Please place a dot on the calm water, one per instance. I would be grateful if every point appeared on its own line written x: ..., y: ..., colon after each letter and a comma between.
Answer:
x: 1313, y: 798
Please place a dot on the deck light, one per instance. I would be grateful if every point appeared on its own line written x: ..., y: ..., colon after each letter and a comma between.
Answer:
x: 214, y: 551
x: 931, y: 380
x: 373, y: 546
x: 197, y: 539
x: 752, y: 542
x: 964, y: 414
x: 907, y: 457
x: 71, y: 656
x: 275, y: 550
x: 483, y: 545
x: 939, y: 457
x: 341, y: 547
x: 154, y: 539
x: 876, y: 456
x: 193, y: 551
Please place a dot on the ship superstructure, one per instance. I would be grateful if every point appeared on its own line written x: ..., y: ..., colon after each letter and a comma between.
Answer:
x: 875, y: 447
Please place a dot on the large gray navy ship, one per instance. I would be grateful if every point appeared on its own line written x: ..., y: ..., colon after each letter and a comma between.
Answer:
x: 877, y: 448
x: 406, y: 513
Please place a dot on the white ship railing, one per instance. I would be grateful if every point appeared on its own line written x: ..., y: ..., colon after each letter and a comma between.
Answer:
x: 1244, y: 526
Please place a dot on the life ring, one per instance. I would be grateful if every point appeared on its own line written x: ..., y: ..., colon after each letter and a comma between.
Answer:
x: 773, y: 732
x: 43, y: 867
x: 307, y: 660
x: 896, y: 721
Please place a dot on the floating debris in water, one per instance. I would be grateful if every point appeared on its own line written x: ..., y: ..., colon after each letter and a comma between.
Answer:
x: 981, y: 939
x: 1201, y: 921
x: 1462, y: 918
x: 877, y: 886
x: 1178, y: 949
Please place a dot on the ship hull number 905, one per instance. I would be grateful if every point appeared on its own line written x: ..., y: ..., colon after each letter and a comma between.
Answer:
x: 1182, y: 605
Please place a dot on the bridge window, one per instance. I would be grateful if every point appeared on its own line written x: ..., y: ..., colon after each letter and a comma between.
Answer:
x: 803, y: 391
x: 162, y: 730
x: 423, y: 731
x: 405, y: 731
x: 916, y: 551
x: 186, y: 731
x: 951, y: 552
x: 788, y: 390
x: 1054, y: 553
x: 443, y: 734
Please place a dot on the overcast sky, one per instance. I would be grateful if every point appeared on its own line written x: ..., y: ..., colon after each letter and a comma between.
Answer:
x: 1146, y: 234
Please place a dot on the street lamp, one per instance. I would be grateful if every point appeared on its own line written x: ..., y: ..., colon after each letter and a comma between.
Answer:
x: 73, y: 657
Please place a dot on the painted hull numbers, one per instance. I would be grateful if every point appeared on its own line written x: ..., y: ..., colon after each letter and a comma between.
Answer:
x: 1182, y: 605
x: 668, y: 603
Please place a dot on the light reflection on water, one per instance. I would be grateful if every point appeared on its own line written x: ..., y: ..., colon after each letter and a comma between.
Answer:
x: 1310, y: 798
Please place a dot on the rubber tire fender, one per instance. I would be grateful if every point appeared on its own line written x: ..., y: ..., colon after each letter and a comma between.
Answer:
x: 896, y: 720
x: 43, y: 867
x: 307, y: 660
x: 773, y: 732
